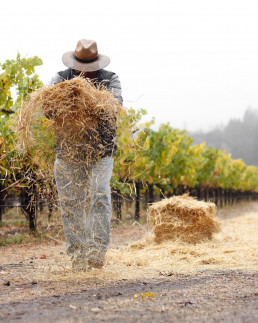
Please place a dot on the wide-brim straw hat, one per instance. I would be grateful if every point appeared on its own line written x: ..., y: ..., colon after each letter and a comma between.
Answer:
x: 85, y: 57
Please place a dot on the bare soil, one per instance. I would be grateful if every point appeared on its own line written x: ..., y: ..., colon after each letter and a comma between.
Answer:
x: 38, y: 285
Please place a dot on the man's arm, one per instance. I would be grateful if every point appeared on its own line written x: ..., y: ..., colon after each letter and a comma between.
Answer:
x: 55, y: 79
x: 114, y: 86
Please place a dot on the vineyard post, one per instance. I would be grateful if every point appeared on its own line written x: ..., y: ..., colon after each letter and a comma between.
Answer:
x: 146, y: 199
x: 50, y: 197
x: 50, y: 206
x: 29, y: 206
x: 151, y: 193
x: 117, y: 203
x: 216, y: 196
x: 225, y: 197
x: 1, y: 201
x: 212, y: 195
x: 32, y: 214
x: 137, y: 201
x: 220, y: 197
x: 198, y: 193
x: 231, y: 197
x: 228, y: 196
x: 207, y: 194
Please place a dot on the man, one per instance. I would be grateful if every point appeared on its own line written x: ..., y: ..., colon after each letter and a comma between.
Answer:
x: 85, y: 192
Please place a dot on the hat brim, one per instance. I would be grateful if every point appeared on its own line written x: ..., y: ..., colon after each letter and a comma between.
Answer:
x: 69, y: 61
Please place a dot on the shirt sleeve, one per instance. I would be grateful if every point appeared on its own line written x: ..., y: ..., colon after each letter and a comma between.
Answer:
x: 114, y: 86
x: 55, y: 79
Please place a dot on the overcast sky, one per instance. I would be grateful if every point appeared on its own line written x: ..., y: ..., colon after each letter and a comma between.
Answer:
x: 193, y: 63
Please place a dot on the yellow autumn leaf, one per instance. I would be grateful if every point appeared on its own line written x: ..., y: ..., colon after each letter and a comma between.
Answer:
x: 146, y: 295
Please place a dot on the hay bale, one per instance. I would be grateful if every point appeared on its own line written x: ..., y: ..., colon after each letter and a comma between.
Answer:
x: 183, y: 218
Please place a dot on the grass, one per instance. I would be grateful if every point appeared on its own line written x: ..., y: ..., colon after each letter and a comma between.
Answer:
x: 21, y: 238
x: 14, y: 228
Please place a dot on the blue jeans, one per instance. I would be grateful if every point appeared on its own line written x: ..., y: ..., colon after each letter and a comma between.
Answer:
x: 85, y: 199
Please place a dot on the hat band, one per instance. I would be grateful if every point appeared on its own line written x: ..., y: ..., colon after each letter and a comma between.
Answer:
x: 85, y: 60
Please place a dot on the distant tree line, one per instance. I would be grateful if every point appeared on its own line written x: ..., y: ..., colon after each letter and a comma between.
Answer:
x: 238, y: 137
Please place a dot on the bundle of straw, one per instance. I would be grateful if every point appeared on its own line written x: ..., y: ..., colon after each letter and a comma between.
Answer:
x: 75, y: 104
x: 76, y: 110
x: 183, y: 218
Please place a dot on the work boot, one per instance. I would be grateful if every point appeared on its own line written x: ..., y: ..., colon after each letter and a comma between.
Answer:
x: 95, y: 258
x: 80, y: 263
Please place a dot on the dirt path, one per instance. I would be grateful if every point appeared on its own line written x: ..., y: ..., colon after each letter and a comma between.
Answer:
x: 210, y: 282
x: 208, y: 297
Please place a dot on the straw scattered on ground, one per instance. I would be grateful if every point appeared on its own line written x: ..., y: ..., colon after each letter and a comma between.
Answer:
x: 234, y: 248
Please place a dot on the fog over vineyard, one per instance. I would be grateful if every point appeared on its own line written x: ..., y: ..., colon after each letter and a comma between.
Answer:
x: 238, y: 137
x: 191, y: 63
